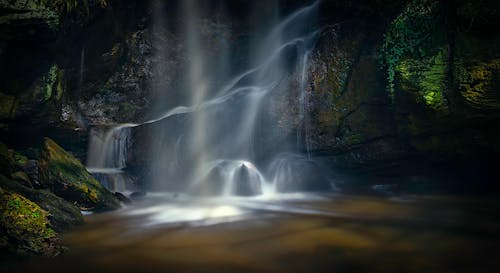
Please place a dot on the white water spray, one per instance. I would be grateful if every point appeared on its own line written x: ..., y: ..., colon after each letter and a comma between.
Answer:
x: 215, y: 152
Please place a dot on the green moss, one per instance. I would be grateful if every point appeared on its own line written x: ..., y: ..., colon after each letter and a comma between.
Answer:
x: 68, y: 178
x: 25, y: 225
x: 426, y: 77
x: 412, y: 34
x: 20, y: 159
x: 50, y: 81
x: 63, y: 214
x: 478, y: 83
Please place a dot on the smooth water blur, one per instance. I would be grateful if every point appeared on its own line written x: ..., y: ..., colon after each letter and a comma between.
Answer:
x: 225, y: 120
x: 287, y: 233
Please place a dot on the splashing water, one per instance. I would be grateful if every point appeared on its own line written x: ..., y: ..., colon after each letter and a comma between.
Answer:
x: 219, y: 149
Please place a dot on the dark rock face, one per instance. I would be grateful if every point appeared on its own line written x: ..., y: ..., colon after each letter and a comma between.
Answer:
x: 32, y: 170
x: 434, y: 117
x: 351, y: 116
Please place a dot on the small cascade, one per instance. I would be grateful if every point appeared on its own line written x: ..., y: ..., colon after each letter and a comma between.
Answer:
x: 304, y: 104
x: 107, y: 157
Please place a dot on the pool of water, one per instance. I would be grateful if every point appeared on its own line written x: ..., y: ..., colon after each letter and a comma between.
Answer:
x: 286, y: 233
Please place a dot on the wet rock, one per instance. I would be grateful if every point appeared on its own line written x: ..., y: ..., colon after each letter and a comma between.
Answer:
x: 294, y: 174
x: 65, y: 175
x: 247, y: 184
x: 63, y: 214
x: 32, y: 169
x: 122, y: 198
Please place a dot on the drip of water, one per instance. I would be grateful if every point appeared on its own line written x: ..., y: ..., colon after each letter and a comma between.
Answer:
x: 217, y: 146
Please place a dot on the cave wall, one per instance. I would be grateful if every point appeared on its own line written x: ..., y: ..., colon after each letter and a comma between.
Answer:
x: 417, y: 88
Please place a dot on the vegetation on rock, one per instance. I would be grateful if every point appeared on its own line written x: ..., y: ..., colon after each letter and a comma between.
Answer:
x: 24, y: 227
x: 63, y: 214
x: 67, y: 177
x: 411, y: 38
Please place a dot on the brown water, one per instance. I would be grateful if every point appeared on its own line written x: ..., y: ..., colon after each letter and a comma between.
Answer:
x: 333, y: 234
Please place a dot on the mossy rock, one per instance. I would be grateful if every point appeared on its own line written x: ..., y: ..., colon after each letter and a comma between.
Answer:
x: 22, y: 178
x: 25, y: 227
x: 68, y: 178
x: 62, y: 214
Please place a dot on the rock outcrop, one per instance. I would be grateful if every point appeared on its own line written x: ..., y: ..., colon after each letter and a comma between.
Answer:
x: 65, y: 176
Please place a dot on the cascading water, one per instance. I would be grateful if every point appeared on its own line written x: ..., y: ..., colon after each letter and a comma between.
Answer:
x: 107, y: 157
x: 215, y: 145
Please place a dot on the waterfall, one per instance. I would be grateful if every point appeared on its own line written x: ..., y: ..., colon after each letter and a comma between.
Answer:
x: 107, y: 156
x: 213, y: 145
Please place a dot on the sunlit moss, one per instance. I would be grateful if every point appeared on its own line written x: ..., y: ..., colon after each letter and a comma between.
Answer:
x: 70, y: 180
x: 409, y: 35
x: 25, y: 225
x: 426, y: 77
x: 433, y: 82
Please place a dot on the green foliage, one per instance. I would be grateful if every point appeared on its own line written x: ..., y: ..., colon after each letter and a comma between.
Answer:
x: 49, y: 83
x: 410, y: 35
x: 425, y: 77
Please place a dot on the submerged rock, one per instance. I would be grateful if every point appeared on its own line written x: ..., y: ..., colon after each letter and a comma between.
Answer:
x: 137, y: 195
x: 248, y: 184
x: 65, y: 175
x: 25, y: 227
x: 122, y: 198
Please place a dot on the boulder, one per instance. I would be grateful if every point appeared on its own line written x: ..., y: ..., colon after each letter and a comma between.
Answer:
x: 25, y: 227
x: 124, y: 199
x: 62, y: 214
x: 65, y: 176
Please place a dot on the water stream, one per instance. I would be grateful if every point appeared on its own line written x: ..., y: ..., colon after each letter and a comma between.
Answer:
x: 222, y: 149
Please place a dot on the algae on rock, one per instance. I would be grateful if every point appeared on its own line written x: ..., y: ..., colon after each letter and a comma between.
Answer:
x: 25, y: 227
x: 68, y: 178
